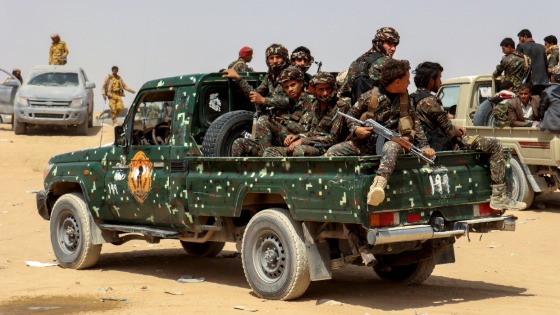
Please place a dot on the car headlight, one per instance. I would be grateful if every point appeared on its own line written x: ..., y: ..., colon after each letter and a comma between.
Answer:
x: 47, y: 170
x: 22, y: 101
x: 77, y: 102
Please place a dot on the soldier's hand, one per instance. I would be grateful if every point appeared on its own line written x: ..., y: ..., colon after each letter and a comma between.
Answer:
x: 462, y: 130
x: 289, y: 139
x: 294, y: 145
x: 363, y: 132
x: 231, y: 74
x: 429, y: 152
x: 256, y: 98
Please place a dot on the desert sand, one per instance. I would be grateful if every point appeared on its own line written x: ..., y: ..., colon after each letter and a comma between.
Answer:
x: 500, y: 273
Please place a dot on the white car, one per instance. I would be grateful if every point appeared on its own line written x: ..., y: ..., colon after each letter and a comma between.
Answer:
x: 54, y: 95
x: 8, y: 89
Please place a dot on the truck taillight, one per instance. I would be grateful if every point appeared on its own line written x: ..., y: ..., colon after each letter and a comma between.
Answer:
x: 384, y: 219
x: 413, y: 217
x: 484, y: 210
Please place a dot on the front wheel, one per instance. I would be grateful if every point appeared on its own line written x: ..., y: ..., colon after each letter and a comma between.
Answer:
x: 71, y: 236
x: 274, y: 256
x: 414, y: 273
x: 20, y: 128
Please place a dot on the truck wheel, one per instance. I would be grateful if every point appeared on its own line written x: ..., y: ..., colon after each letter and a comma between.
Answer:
x: 82, y: 128
x: 274, y: 256
x: 520, y: 188
x: 90, y: 120
x: 208, y: 249
x: 19, y: 127
x: 71, y: 236
x: 483, y: 115
x: 224, y: 130
x: 415, y: 273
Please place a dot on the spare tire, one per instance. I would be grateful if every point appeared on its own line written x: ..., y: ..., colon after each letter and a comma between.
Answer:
x: 224, y: 130
x: 483, y: 115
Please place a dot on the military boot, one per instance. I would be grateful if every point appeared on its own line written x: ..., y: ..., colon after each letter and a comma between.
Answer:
x: 377, y: 191
x: 501, y: 201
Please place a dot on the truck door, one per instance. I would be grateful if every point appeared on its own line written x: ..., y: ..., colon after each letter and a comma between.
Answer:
x: 137, y: 177
x: 8, y: 88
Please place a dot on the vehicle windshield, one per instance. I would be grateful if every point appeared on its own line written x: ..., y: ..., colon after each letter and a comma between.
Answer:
x: 54, y: 79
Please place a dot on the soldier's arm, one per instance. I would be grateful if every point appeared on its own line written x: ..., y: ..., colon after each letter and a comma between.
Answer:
x: 439, y: 116
x: 499, y: 69
x: 357, y: 110
x: 278, y: 99
x: 104, y: 86
x: 375, y: 69
x: 125, y: 87
x: 262, y: 89
x: 65, y: 53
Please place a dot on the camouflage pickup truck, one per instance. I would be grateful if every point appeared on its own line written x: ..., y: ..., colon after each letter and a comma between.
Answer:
x: 536, y: 154
x: 294, y: 220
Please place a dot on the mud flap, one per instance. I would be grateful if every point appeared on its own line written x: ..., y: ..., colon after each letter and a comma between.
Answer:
x: 318, y: 255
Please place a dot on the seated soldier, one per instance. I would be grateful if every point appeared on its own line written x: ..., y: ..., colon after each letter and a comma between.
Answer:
x: 390, y: 106
x: 523, y: 111
x: 500, y: 104
x: 325, y: 127
x: 280, y: 124
x: 436, y: 122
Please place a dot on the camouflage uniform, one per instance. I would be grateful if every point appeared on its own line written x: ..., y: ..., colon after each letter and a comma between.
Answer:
x: 58, y: 53
x: 514, y: 66
x: 387, y: 114
x: 240, y: 66
x: 114, y: 87
x: 432, y: 115
x: 552, y: 56
x: 501, y: 108
x: 374, y: 71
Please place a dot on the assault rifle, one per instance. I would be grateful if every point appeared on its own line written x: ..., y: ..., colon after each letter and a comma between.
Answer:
x: 390, y: 135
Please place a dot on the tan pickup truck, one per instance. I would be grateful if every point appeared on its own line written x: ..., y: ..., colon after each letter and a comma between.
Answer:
x: 536, y: 154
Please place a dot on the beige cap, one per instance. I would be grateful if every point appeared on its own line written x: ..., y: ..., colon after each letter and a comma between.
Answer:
x: 53, y: 35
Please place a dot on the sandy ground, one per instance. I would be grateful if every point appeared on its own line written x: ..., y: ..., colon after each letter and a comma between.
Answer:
x: 501, y: 273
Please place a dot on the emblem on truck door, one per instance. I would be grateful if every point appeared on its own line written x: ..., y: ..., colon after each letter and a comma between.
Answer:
x: 140, y: 176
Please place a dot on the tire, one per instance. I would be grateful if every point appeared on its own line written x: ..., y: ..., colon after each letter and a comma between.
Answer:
x: 520, y: 188
x: 71, y: 236
x: 483, y: 115
x: 415, y: 273
x: 82, y: 129
x: 208, y: 249
x: 90, y: 119
x: 274, y: 256
x: 20, y: 128
x: 224, y: 130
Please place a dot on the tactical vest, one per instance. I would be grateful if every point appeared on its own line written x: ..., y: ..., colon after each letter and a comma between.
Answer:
x: 362, y: 81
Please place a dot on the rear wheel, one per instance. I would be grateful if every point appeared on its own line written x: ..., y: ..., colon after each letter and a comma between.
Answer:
x: 208, y: 249
x: 520, y: 188
x: 414, y: 273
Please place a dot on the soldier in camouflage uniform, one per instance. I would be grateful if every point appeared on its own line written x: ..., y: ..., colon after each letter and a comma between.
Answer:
x: 281, y: 124
x: 58, y: 51
x: 113, y: 87
x: 269, y: 92
x: 384, y: 45
x: 552, y: 55
x: 514, y: 65
x: 301, y: 57
x: 245, y: 56
x: 390, y: 106
x: 500, y: 104
x: 436, y: 122
x: 325, y: 128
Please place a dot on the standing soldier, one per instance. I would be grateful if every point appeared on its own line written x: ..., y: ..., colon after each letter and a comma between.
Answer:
x: 551, y: 47
x: 515, y: 65
x: 325, y: 128
x: 114, y: 87
x: 389, y: 105
x: 58, y: 51
x: 440, y: 132
x: 537, y: 54
x: 364, y: 73
x: 245, y: 56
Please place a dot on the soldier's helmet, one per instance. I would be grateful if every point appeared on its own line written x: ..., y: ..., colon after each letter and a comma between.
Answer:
x: 290, y: 73
x: 304, y: 53
x: 323, y: 77
x: 387, y: 34
x: 280, y: 50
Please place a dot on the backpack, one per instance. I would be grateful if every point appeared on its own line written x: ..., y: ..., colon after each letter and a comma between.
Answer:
x: 362, y: 81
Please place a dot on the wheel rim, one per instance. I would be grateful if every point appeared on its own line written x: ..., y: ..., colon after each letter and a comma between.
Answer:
x: 69, y: 233
x: 269, y: 257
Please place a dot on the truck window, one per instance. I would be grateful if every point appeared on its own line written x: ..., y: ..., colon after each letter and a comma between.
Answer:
x: 449, y: 95
x: 216, y: 101
x: 154, y: 111
x: 484, y: 91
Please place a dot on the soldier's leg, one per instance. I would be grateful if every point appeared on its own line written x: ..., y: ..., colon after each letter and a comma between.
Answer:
x: 499, y: 199
x: 388, y: 161
x: 343, y: 149
x: 246, y: 147
x: 113, y: 107
x: 275, y: 152
x: 267, y: 132
x: 307, y: 150
x: 119, y: 106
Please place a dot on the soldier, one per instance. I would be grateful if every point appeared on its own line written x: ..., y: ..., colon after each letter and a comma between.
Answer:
x: 269, y: 92
x: 364, y: 73
x: 325, y: 128
x: 515, y: 65
x: 500, y: 104
x: 523, y: 111
x: 537, y: 54
x: 114, y: 87
x: 281, y: 124
x: 390, y: 106
x: 549, y: 108
x: 552, y: 57
x: 435, y: 121
x: 58, y: 52
x: 301, y: 57
x: 245, y: 56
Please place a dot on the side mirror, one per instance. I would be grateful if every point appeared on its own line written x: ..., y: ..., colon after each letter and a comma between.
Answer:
x: 90, y: 85
x: 12, y: 83
x: 120, y: 137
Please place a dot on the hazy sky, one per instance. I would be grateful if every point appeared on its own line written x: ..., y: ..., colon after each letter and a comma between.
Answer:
x: 151, y: 39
